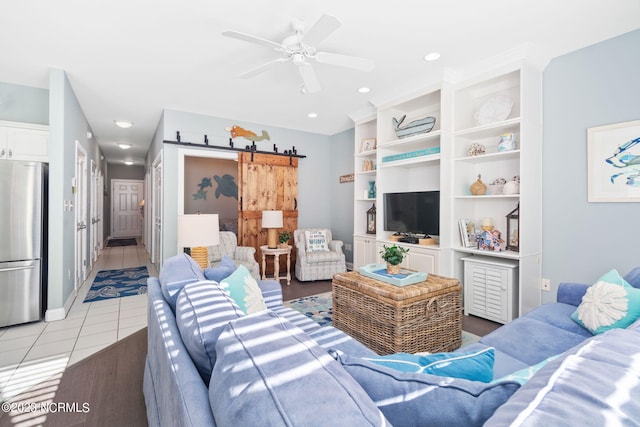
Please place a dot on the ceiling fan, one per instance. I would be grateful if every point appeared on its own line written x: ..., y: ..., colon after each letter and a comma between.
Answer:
x: 299, y: 48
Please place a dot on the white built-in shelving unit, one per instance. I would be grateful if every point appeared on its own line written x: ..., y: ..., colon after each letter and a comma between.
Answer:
x: 454, y: 103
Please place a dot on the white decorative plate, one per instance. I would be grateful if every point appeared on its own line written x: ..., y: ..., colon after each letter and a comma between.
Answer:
x: 494, y: 110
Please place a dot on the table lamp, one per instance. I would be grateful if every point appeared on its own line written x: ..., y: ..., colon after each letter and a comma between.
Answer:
x: 197, y: 232
x: 272, y: 220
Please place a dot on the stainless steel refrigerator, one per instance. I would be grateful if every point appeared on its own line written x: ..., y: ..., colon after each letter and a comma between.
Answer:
x: 23, y: 241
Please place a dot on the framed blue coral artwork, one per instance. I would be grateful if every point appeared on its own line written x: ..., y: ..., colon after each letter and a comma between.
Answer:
x: 614, y: 162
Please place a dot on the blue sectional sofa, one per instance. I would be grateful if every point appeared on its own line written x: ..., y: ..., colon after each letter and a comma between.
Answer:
x: 209, y: 364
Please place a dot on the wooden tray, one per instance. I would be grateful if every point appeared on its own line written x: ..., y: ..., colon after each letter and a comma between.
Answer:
x: 404, y: 278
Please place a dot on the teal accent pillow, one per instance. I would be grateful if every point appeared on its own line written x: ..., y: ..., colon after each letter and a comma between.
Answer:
x: 244, y: 290
x: 472, y: 365
x: 609, y: 303
x: 523, y: 375
x: 221, y: 271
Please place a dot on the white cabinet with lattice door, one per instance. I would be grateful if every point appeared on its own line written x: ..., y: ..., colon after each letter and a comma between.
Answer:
x: 491, y: 288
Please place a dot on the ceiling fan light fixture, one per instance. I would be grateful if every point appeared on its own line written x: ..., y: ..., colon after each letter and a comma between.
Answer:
x: 124, y: 124
x: 432, y: 56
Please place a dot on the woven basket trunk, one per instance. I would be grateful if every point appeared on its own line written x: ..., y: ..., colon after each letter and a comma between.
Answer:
x: 426, y: 316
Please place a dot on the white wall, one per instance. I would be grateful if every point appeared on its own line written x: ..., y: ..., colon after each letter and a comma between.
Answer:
x: 594, y: 86
x: 342, y: 194
x: 24, y: 104
x: 67, y: 124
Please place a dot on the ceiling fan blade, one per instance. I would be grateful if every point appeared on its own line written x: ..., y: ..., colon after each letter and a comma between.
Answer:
x: 309, y: 78
x: 322, y: 29
x: 261, y: 68
x: 355, y: 62
x: 253, y: 39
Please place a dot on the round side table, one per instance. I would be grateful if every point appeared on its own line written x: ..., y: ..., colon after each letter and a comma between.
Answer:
x: 276, y: 252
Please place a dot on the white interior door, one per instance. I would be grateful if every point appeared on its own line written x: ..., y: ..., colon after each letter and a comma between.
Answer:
x: 80, y: 190
x: 100, y: 197
x: 156, y: 212
x: 93, y: 207
x: 126, y: 195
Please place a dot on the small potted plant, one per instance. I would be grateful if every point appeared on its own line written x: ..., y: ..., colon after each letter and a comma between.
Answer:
x: 283, y: 238
x: 393, y: 255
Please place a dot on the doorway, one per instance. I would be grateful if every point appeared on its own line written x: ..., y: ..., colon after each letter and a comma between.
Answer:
x: 126, y: 195
x: 80, y: 190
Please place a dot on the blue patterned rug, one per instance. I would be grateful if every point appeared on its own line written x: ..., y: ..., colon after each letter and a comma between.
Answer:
x: 118, y: 283
x: 319, y: 308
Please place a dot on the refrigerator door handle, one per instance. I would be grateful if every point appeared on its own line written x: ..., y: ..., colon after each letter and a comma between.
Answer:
x: 29, y: 267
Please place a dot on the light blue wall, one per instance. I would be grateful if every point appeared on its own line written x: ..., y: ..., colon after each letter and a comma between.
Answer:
x: 342, y: 194
x: 594, y: 86
x: 67, y: 124
x: 24, y: 104
x: 315, y: 173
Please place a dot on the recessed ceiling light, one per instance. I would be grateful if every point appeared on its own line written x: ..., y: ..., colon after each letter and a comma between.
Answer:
x: 364, y: 90
x: 128, y: 162
x: 124, y: 146
x: 431, y: 56
x: 123, y: 124
x: 312, y: 115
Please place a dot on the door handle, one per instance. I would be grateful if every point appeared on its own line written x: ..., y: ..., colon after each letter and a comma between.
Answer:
x: 17, y: 268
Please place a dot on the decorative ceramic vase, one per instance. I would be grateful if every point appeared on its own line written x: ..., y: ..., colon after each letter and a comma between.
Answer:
x: 478, y: 188
x: 372, y: 189
x: 393, y: 269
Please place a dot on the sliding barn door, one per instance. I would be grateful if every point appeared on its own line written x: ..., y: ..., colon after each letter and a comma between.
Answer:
x: 266, y: 182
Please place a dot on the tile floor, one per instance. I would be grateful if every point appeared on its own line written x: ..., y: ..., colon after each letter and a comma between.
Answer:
x: 36, y: 351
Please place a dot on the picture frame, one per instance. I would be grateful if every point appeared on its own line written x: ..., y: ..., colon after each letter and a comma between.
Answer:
x: 613, y: 156
x: 368, y: 144
x: 467, y: 233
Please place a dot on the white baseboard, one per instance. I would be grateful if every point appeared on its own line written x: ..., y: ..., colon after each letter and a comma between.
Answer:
x: 60, y: 313
x: 350, y: 266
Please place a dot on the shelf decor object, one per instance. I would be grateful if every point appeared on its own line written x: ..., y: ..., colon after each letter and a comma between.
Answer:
x: 272, y: 220
x: 401, y: 278
x: 371, y: 220
x: 368, y: 144
x: 467, y: 233
x: 507, y: 142
x: 478, y: 188
x: 415, y: 127
x: 513, y: 229
x: 412, y: 154
x: 372, y: 190
x: 197, y: 232
x: 512, y: 187
x: 496, y: 109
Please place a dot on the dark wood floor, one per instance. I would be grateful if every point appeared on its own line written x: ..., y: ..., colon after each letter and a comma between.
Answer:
x: 103, y: 390
x: 106, y: 388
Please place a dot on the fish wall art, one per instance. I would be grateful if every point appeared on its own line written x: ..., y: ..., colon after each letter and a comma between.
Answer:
x: 237, y: 131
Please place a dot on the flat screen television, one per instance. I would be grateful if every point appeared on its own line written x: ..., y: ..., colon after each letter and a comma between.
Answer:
x: 413, y: 212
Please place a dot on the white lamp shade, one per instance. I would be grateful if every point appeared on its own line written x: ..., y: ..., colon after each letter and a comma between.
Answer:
x: 272, y: 219
x: 198, y: 230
